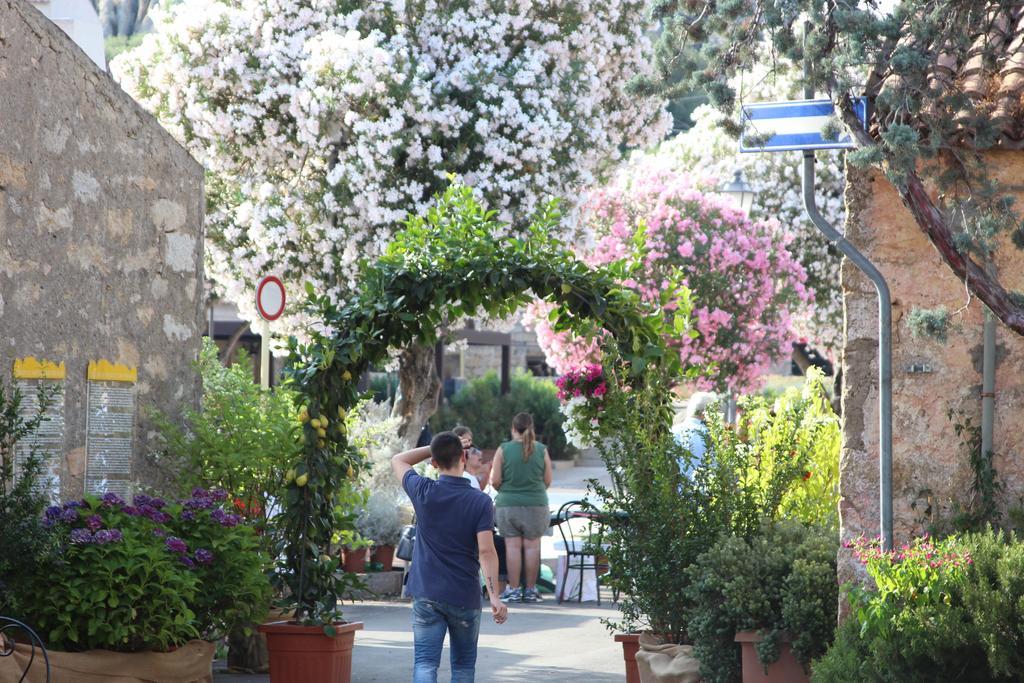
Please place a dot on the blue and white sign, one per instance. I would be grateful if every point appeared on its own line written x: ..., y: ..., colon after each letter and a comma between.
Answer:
x: 794, y: 125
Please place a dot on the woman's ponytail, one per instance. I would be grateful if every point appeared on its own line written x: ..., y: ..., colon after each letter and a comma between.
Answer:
x: 523, y: 424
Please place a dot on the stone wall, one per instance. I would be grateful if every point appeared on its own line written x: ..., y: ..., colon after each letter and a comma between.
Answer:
x: 930, y: 468
x: 100, y: 234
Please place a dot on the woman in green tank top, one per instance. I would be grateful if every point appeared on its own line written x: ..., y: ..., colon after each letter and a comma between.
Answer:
x: 521, y: 475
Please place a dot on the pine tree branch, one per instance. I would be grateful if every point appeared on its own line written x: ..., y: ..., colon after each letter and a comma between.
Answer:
x: 932, y: 223
x: 983, y: 285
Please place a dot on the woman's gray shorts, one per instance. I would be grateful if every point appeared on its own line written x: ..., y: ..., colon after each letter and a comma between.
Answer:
x: 526, y: 521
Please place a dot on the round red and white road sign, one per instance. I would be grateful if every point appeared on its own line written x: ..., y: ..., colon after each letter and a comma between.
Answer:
x: 270, y: 297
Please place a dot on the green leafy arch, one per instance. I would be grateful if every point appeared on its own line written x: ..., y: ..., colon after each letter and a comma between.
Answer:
x: 447, y: 264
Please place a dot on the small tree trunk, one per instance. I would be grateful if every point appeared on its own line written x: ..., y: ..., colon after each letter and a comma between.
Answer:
x: 420, y: 388
x: 228, y: 354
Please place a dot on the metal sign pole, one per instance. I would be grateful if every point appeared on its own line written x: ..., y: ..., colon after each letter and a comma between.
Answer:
x: 265, y: 360
x: 799, y: 127
x: 884, y: 346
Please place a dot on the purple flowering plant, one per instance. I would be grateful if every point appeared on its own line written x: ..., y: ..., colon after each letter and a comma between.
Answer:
x: 151, y: 574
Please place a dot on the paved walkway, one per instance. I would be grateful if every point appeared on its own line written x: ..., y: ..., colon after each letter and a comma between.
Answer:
x: 546, y: 642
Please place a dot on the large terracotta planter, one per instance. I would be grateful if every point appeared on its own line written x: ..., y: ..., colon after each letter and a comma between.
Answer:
x: 190, y: 663
x: 787, y: 669
x: 630, y: 646
x: 385, y: 555
x: 354, y: 561
x: 305, y: 654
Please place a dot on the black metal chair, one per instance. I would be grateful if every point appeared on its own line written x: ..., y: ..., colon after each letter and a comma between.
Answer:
x: 581, y: 549
x: 9, y: 629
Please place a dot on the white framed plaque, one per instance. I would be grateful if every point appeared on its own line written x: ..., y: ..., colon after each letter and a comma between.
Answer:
x: 46, y: 442
x: 110, y: 428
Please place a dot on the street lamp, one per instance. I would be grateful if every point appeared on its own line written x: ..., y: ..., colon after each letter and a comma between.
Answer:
x: 740, y: 191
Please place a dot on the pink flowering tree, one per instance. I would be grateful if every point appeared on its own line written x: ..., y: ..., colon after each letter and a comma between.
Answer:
x: 744, y: 282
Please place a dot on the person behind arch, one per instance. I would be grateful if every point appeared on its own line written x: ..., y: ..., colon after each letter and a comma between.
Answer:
x: 692, y: 434
x: 522, y: 474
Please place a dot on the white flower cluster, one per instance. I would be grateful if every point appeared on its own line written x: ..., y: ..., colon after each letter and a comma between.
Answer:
x: 710, y: 155
x: 577, y: 428
x: 323, y: 125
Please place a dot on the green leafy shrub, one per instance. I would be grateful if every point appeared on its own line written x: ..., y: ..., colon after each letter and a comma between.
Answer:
x: 147, y: 576
x: 381, y: 519
x: 237, y: 441
x: 780, y: 580
x: 481, y: 406
x: 993, y: 594
x: 753, y: 473
x: 650, y: 532
x: 26, y: 546
x: 787, y: 452
x: 948, y: 610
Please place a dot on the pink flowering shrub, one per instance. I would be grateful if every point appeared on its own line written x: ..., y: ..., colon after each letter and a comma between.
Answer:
x: 745, y: 284
x: 920, y: 572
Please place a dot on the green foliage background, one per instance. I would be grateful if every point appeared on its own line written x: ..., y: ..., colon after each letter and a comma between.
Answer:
x: 480, y: 406
x: 238, y: 440
x: 782, y: 580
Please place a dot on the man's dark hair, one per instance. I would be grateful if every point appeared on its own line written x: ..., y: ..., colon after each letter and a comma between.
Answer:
x: 446, y: 449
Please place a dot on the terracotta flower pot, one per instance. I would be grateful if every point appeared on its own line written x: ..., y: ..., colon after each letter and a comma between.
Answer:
x: 787, y: 669
x: 354, y: 561
x: 630, y: 646
x: 302, y: 654
x: 385, y: 555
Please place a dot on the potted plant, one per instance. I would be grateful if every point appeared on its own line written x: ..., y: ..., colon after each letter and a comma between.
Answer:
x: 150, y: 581
x: 649, y: 532
x: 236, y: 441
x: 766, y: 605
x: 355, y: 557
x: 320, y: 504
x: 381, y: 520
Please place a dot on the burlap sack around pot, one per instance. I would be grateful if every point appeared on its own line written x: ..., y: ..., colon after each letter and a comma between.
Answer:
x: 190, y: 663
x: 661, y: 662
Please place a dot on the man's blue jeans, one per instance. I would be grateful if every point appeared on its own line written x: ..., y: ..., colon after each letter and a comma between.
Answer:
x: 430, y: 621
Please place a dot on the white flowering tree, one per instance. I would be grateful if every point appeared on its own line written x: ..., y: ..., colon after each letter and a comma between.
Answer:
x: 323, y: 125
x: 707, y: 152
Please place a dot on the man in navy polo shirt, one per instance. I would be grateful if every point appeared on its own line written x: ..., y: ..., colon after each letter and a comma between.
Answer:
x: 454, y: 541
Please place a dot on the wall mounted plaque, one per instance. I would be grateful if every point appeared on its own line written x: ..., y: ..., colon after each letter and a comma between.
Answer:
x: 110, y: 428
x: 34, y: 378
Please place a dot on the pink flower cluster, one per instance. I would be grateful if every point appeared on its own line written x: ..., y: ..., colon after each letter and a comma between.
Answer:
x: 564, y: 351
x: 587, y: 383
x: 922, y: 551
x: 746, y: 285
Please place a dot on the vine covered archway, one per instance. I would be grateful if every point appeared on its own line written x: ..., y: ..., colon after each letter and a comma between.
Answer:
x: 451, y: 262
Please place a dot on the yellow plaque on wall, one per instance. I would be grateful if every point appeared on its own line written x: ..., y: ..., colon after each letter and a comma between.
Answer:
x: 31, y: 368
x: 105, y: 371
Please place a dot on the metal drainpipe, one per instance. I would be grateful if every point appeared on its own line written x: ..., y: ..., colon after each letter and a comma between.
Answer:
x: 988, y: 383
x: 884, y: 344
